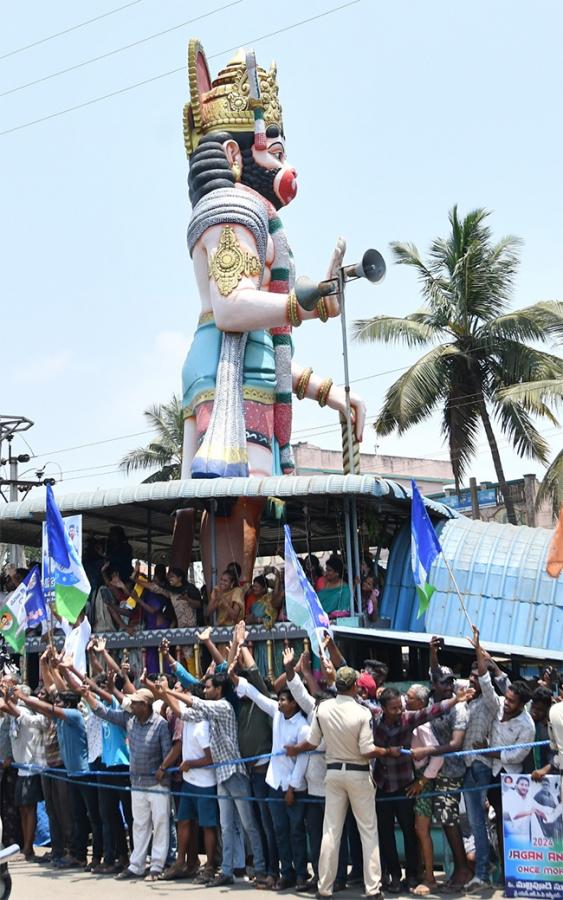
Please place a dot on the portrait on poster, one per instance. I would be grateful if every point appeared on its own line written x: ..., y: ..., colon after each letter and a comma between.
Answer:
x: 532, y: 815
x: 73, y: 526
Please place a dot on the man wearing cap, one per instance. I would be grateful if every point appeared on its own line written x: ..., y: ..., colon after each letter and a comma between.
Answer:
x: 149, y: 744
x: 345, y: 726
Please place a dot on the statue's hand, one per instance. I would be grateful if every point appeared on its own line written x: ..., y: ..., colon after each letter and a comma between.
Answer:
x: 333, y: 301
x: 337, y: 400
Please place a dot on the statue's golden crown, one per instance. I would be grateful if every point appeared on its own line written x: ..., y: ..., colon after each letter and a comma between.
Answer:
x: 225, y: 104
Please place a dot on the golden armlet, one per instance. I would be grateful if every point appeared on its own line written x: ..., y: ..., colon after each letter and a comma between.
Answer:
x: 322, y: 310
x: 303, y: 383
x: 324, y: 391
x: 230, y: 262
x: 293, y: 316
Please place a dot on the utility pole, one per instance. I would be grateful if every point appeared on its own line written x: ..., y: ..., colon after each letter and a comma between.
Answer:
x: 475, y: 514
x: 9, y: 427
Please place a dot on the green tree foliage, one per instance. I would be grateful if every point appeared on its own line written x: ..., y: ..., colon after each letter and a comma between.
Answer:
x: 475, y: 345
x: 164, y: 453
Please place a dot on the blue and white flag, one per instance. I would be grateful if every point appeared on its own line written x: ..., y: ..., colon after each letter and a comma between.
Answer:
x: 425, y: 547
x: 302, y: 605
x: 35, y: 606
x: 71, y: 584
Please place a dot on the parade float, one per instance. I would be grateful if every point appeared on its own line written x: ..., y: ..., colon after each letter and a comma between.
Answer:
x: 239, y: 381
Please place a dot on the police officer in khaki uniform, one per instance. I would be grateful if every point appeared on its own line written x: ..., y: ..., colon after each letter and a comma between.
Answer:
x: 346, y: 729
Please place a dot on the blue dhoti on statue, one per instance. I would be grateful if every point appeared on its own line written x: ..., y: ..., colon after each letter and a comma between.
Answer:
x: 199, y: 382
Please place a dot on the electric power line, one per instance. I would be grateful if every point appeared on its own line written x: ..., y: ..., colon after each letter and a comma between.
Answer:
x: 94, y: 59
x: 317, y: 429
x: 57, y: 34
x: 429, y: 458
x: 120, y: 437
x: 153, y: 78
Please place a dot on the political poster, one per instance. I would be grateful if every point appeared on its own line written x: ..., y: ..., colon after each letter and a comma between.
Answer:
x: 73, y: 525
x: 532, y: 815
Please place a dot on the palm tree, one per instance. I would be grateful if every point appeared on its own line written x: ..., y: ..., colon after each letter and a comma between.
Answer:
x: 165, y: 451
x: 477, y: 347
x: 551, y: 488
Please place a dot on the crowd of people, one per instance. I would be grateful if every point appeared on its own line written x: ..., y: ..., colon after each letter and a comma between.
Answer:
x: 143, y: 774
x: 124, y: 597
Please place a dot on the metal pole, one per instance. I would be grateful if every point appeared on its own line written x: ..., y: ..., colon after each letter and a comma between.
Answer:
x: 457, y: 590
x: 348, y: 547
x: 13, y: 462
x: 149, y: 543
x: 307, y: 531
x: 213, y: 536
x: 341, y: 290
x: 356, y: 550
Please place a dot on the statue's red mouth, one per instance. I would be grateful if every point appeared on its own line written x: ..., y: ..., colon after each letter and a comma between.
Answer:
x: 285, y: 185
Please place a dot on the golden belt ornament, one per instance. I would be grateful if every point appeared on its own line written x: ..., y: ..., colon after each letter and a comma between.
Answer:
x: 230, y: 262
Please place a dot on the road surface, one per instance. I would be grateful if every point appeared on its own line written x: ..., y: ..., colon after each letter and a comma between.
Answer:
x: 33, y: 881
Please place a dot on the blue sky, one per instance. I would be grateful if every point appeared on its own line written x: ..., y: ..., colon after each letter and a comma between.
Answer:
x: 393, y: 113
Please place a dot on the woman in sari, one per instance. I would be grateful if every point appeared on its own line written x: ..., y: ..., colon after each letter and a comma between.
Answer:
x: 335, y: 595
x: 226, y: 601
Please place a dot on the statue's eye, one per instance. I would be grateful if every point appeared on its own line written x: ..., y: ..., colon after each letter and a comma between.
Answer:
x: 278, y: 152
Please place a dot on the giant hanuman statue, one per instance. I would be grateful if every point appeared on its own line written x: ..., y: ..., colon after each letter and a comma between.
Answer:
x: 239, y: 376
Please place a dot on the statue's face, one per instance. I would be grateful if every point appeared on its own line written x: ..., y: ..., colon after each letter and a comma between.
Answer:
x: 274, y: 160
x: 265, y: 171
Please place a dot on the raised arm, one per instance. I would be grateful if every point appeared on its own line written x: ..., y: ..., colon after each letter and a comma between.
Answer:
x: 106, y: 656
x: 45, y: 672
x: 56, y: 677
x: 334, y: 653
x: 490, y: 698
x: 244, y: 689
x: 184, y: 677
x: 304, y: 666
x: 277, y: 591
x: 204, y: 637
x: 95, y: 666
x: 115, y: 716
x: 418, y: 717
x: 46, y: 709
x: 298, y: 690
x: 161, y: 691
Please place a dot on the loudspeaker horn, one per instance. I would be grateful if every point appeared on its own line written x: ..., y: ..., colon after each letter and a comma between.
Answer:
x: 371, y: 267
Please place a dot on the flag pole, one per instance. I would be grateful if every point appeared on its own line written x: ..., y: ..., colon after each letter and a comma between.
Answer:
x: 50, y: 591
x: 458, y: 592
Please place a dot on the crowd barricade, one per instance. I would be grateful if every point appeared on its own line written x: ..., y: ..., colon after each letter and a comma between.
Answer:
x: 64, y: 775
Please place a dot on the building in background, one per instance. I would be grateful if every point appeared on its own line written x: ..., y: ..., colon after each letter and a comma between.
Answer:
x: 435, y: 480
x: 485, y: 501
x: 432, y: 475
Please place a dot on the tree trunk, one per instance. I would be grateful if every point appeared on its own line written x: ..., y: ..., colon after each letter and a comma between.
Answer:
x: 509, y: 505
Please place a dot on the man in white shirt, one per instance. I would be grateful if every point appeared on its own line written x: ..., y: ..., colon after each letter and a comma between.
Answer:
x: 518, y: 808
x: 26, y: 736
x: 76, y: 641
x: 511, y: 725
x: 198, y: 806
x: 286, y: 780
